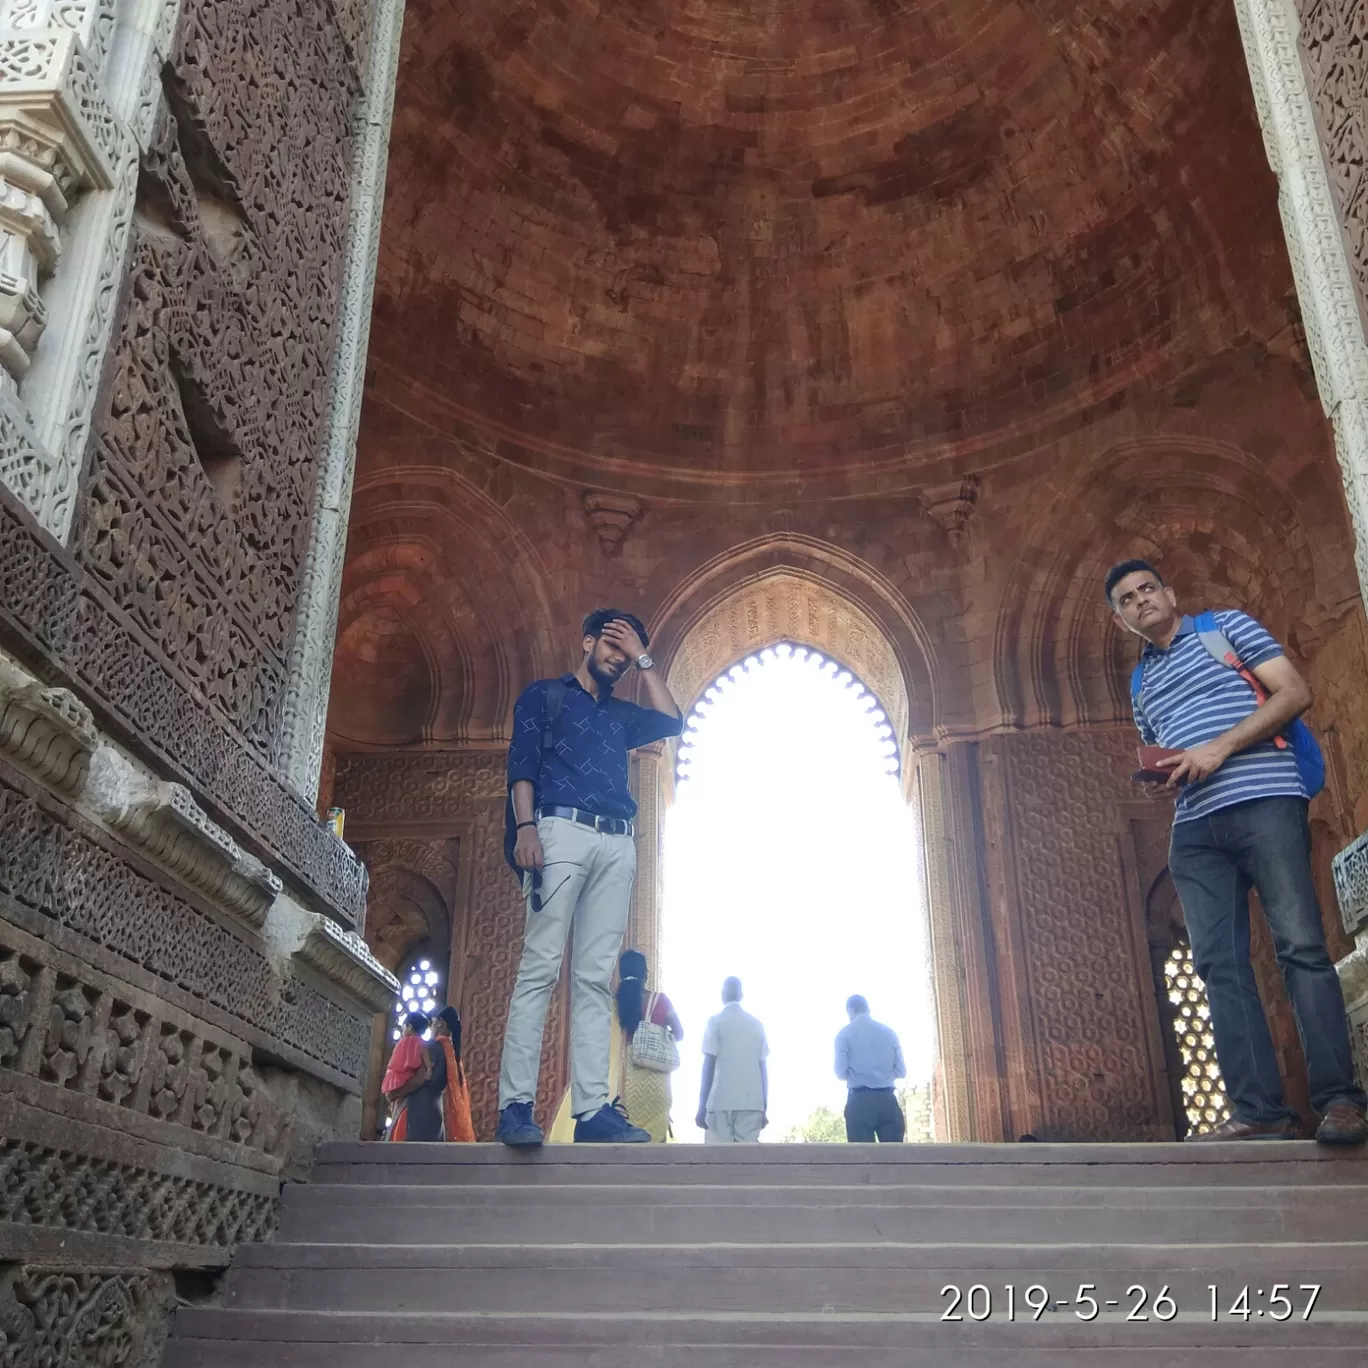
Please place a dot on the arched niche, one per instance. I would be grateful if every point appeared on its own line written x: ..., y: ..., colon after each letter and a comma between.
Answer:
x: 444, y: 606
x: 790, y: 587
x: 786, y: 606
x: 805, y: 592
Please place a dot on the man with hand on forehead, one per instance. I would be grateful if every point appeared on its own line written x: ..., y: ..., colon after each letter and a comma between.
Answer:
x: 573, y: 811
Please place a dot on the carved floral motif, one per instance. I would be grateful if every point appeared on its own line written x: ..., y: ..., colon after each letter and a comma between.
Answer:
x: 63, y: 1318
x: 71, y: 1033
x: 66, y: 874
x: 18, y: 987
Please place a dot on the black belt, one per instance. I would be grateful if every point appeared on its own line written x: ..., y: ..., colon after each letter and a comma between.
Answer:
x: 611, y: 826
x: 864, y: 1090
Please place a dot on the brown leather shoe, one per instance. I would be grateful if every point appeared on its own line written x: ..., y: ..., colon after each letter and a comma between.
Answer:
x: 1235, y: 1129
x: 1342, y: 1124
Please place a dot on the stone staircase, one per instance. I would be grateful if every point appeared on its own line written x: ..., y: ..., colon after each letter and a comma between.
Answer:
x: 791, y: 1256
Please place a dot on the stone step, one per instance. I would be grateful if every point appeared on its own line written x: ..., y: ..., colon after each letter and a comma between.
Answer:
x: 263, y: 1339
x: 394, y: 1216
x: 213, y: 1353
x: 1286, y: 1163
x: 798, y: 1278
x: 1348, y: 1198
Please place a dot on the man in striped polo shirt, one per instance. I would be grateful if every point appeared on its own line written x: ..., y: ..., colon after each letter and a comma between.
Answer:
x: 1240, y: 823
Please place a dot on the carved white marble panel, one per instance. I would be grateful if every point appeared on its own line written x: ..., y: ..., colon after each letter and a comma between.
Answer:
x: 79, y: 86
x: 1350, y: 869
x: 1320, y: 267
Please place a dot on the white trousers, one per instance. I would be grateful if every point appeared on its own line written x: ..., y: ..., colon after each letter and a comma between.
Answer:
x: 586, y: 881
x: 733, y: 1127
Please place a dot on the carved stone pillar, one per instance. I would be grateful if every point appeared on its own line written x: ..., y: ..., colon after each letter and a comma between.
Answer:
x: 970, y: 1092
x: 299, y: 749
x: 51, y: 153
x: 1316, y: 230
x: 77, y: 94
x: 649, y: 773
x: 1271, y: 31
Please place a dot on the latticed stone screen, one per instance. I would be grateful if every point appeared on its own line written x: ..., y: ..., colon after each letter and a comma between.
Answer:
x: 419, y: 993
x: 1204, y: 1094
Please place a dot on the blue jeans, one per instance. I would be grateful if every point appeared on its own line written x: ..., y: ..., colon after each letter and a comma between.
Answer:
x: 1264, y: 844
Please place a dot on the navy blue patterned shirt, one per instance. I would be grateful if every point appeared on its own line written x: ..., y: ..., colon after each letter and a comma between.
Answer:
x: 586, y: 767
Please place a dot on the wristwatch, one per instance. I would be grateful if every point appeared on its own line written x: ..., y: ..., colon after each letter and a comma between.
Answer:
x: 644, y: 662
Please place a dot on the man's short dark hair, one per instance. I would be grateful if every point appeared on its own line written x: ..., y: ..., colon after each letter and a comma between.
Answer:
x: 594, y: 624
x: 1123, y: 568
x: 857, y: 1003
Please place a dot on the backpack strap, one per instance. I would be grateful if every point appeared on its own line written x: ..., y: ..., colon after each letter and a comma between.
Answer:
x: 553, y: 700
x: 1219, y: 648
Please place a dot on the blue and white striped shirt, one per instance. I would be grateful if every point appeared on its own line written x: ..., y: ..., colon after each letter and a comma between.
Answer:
x: 1188, y: 697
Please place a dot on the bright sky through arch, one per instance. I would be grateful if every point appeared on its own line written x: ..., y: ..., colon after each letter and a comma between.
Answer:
x: 791, y: 860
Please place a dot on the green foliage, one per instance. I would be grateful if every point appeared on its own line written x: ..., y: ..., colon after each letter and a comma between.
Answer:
x: 823, y: 1127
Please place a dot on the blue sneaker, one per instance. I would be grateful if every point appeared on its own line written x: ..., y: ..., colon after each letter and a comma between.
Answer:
x: 517, y: 1128
x: 610, y: 1126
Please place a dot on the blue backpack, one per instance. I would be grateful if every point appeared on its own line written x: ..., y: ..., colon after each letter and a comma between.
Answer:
x: 1305, y: 748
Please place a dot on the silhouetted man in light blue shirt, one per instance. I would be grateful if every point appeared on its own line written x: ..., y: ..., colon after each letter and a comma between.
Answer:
x: 869, y: 1060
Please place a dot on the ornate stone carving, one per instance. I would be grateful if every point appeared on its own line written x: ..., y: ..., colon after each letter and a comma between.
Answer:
x: 68, y: 1318
x: 949, y: 505
x: 42, y: 597
x: 1273, y: 34
x: 612, y: 516
x: 62, y: 132
x: 50, y: 732
x: 72, y: 1191
x: 116, y: 1045
x: 1350, y: 868
x: 788, y: 607
x: 318, y: 1027
x: 64, y: 872
x: 1081, y: 967
x: 385, y: 789
x: 344, y: 958
x: 372, y: 33
x: 205, y: 456
x: 18, y: 1003
x: 58, y: 136
x: 170, y: 826
x: 71, y: 1033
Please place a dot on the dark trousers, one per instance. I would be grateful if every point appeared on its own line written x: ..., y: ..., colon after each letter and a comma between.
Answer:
x: 873, y: 1115
x: 1266, y: 845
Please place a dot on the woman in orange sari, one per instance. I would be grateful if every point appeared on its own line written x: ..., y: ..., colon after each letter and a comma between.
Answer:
x: 456, y: 1123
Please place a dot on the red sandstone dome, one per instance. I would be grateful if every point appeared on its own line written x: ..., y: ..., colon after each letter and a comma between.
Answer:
x: 824, y: 244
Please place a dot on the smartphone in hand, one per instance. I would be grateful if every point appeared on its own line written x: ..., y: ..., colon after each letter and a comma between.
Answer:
x: 1151, y: 771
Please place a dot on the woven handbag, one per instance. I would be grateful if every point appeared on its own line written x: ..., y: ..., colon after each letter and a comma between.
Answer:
x: 653, y: 1047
